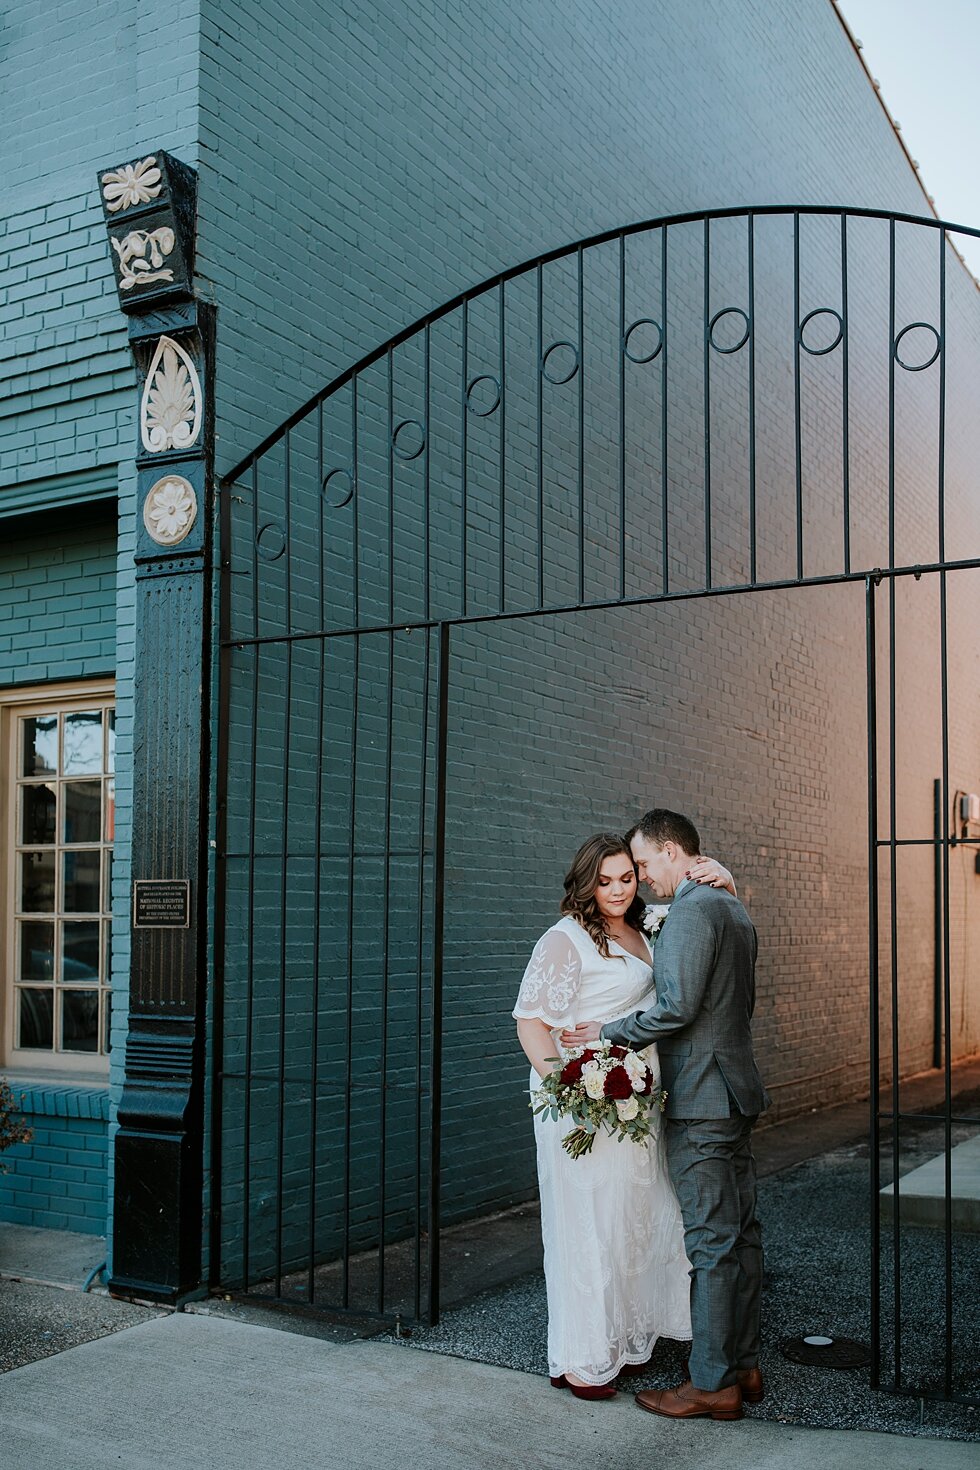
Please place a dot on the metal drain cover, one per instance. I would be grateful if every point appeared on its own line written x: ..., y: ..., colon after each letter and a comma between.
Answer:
x: 826, y: 1352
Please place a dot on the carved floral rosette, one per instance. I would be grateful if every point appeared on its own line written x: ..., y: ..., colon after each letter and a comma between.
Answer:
x: 170, y: 510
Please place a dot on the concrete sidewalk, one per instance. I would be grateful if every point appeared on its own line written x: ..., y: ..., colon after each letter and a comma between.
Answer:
x: 185, y: 1391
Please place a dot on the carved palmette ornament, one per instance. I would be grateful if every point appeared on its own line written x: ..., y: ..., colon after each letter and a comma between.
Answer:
x: 170, y: 410
x: 170, y: 510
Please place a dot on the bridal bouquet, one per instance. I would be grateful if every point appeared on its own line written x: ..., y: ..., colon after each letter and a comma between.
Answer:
x: 605, y: 1086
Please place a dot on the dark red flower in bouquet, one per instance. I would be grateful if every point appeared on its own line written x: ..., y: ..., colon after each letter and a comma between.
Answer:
x: 617, y: 1051
x: 618, y: 1083
x: 572, y: 1071
x: 647, y: 1087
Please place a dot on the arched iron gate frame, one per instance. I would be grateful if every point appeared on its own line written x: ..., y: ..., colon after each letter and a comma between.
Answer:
x: 482, y: 394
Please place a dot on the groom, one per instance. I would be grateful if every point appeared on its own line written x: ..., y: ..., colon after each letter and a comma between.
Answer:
x: 704, y: 971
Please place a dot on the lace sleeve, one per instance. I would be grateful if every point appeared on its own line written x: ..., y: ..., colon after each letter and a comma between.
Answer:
x: 551, y: 981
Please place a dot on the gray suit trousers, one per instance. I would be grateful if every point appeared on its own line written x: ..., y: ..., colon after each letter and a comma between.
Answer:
x: 713, y: 1172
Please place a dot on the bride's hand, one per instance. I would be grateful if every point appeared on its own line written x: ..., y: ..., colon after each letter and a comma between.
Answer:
x: 710, y: 872
x: 580, y: 1035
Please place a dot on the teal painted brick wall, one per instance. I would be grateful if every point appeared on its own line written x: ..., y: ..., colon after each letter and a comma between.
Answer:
x: 359, y: 166
x: 58, y: 1180
x: 58, y: 597
x: 126, y: 76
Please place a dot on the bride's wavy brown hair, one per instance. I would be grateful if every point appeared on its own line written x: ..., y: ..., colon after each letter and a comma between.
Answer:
x: 582, y: 880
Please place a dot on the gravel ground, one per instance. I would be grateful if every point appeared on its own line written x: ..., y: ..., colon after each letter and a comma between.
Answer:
x: 815, y: 1219
x: 39, y: 1321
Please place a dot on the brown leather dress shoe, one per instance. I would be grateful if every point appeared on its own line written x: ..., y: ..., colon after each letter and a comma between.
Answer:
x: 751, y: 1384
x: 688, y: 1402
x: 749, y: 1381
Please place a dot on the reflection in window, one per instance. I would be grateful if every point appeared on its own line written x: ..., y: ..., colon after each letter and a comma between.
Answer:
x: 61, y: 827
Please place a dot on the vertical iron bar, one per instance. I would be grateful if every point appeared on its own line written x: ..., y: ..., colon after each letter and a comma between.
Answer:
x: 664, y: 457
x: 391, y: 486
x: 427, y: 475
x: 937, y: 925
x: 892, y: 819
x: 581, y: 428
x: 250, y: 935
x: 797, y: 397
x: 707, y: 404
x: 225, y: 658
x: 355, y: 538
x: 283, y: 871
x: 753, y: 540
x: 315, y: 1008
x: 947, y: 974
x: 846, y: 390
x: 317, y: 863
x: 464, y: 467
x: 540, y: 295
x: 349, y: 1018
x: 622, y: 417
x: 420, y: 948
x: 502, y: 451
x: 873, y: 945
x: 385, y: 981
x: 438, y: 932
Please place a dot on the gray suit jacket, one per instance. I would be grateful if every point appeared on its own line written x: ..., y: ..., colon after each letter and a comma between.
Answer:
x: 704, y: 971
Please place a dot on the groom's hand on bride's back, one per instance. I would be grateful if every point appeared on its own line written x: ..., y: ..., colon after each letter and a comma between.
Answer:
x: 581, y: 1035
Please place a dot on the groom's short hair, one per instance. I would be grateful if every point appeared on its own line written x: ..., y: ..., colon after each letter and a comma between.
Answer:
x: 661, y: 826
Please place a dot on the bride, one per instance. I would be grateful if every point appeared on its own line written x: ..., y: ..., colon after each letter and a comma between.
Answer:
x: 615, y: 1269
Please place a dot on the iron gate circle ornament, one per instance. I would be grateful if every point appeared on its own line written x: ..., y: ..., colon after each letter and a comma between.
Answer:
x: 483, y: 413
x: 821, y: 311
x: 270, y: 540
x: 170, y: 510
x: 719, y: 316
x: 643, y: 321
x: 920, y: 367
x: 409, y: 453
x: 337, y: 487
x: 546, y: 357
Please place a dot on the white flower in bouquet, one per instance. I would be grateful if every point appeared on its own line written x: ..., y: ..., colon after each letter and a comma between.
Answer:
x: 637, y: 1069
x: 654, y: 916
x: 628, y: 1108
x: 594, y: 1079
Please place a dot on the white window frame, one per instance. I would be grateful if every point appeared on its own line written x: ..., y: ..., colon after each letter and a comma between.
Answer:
x: 16, y: 704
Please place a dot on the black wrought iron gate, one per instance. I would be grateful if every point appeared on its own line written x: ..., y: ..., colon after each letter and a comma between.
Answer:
x: 664, y: 417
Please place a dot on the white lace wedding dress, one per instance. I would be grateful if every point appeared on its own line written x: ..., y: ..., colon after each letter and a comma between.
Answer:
x: 615, y: 1268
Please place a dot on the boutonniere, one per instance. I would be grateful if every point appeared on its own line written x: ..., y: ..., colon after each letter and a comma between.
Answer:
x: 654, y: 916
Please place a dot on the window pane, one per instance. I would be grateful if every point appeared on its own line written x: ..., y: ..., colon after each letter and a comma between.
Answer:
x: 82, y: 893
x: 83, y: 743
x: 36, y: 895
x: 36, y: 1019
x: 38, y: 806
x: 107, y: 942
x: 40, y: 745
x: 37, y: 952
x: 80, y: 1020
x: 107, y: 1021
x: 83, y: 811
x: 110, y: 763
x: 110, y: 811
x: 80, y: 952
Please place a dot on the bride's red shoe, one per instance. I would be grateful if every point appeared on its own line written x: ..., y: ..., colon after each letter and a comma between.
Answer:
x: 586, y: 1390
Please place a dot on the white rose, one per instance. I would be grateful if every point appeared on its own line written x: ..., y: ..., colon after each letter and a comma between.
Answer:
x: 636, y: 1069
x: 654, y: 915
x: 594, y: 1078
x: 627, y: 1108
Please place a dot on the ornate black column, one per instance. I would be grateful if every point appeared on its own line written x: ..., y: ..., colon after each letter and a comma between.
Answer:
x: 150, y: 209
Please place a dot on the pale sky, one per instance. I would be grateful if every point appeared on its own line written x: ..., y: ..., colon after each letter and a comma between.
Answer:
x: 926, y: 55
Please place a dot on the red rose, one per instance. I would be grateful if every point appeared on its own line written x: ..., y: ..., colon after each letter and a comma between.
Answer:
x: 618, y: 1083
x: 572, y: 1071
x: 617, y: 1051
x: 647, y: 1087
